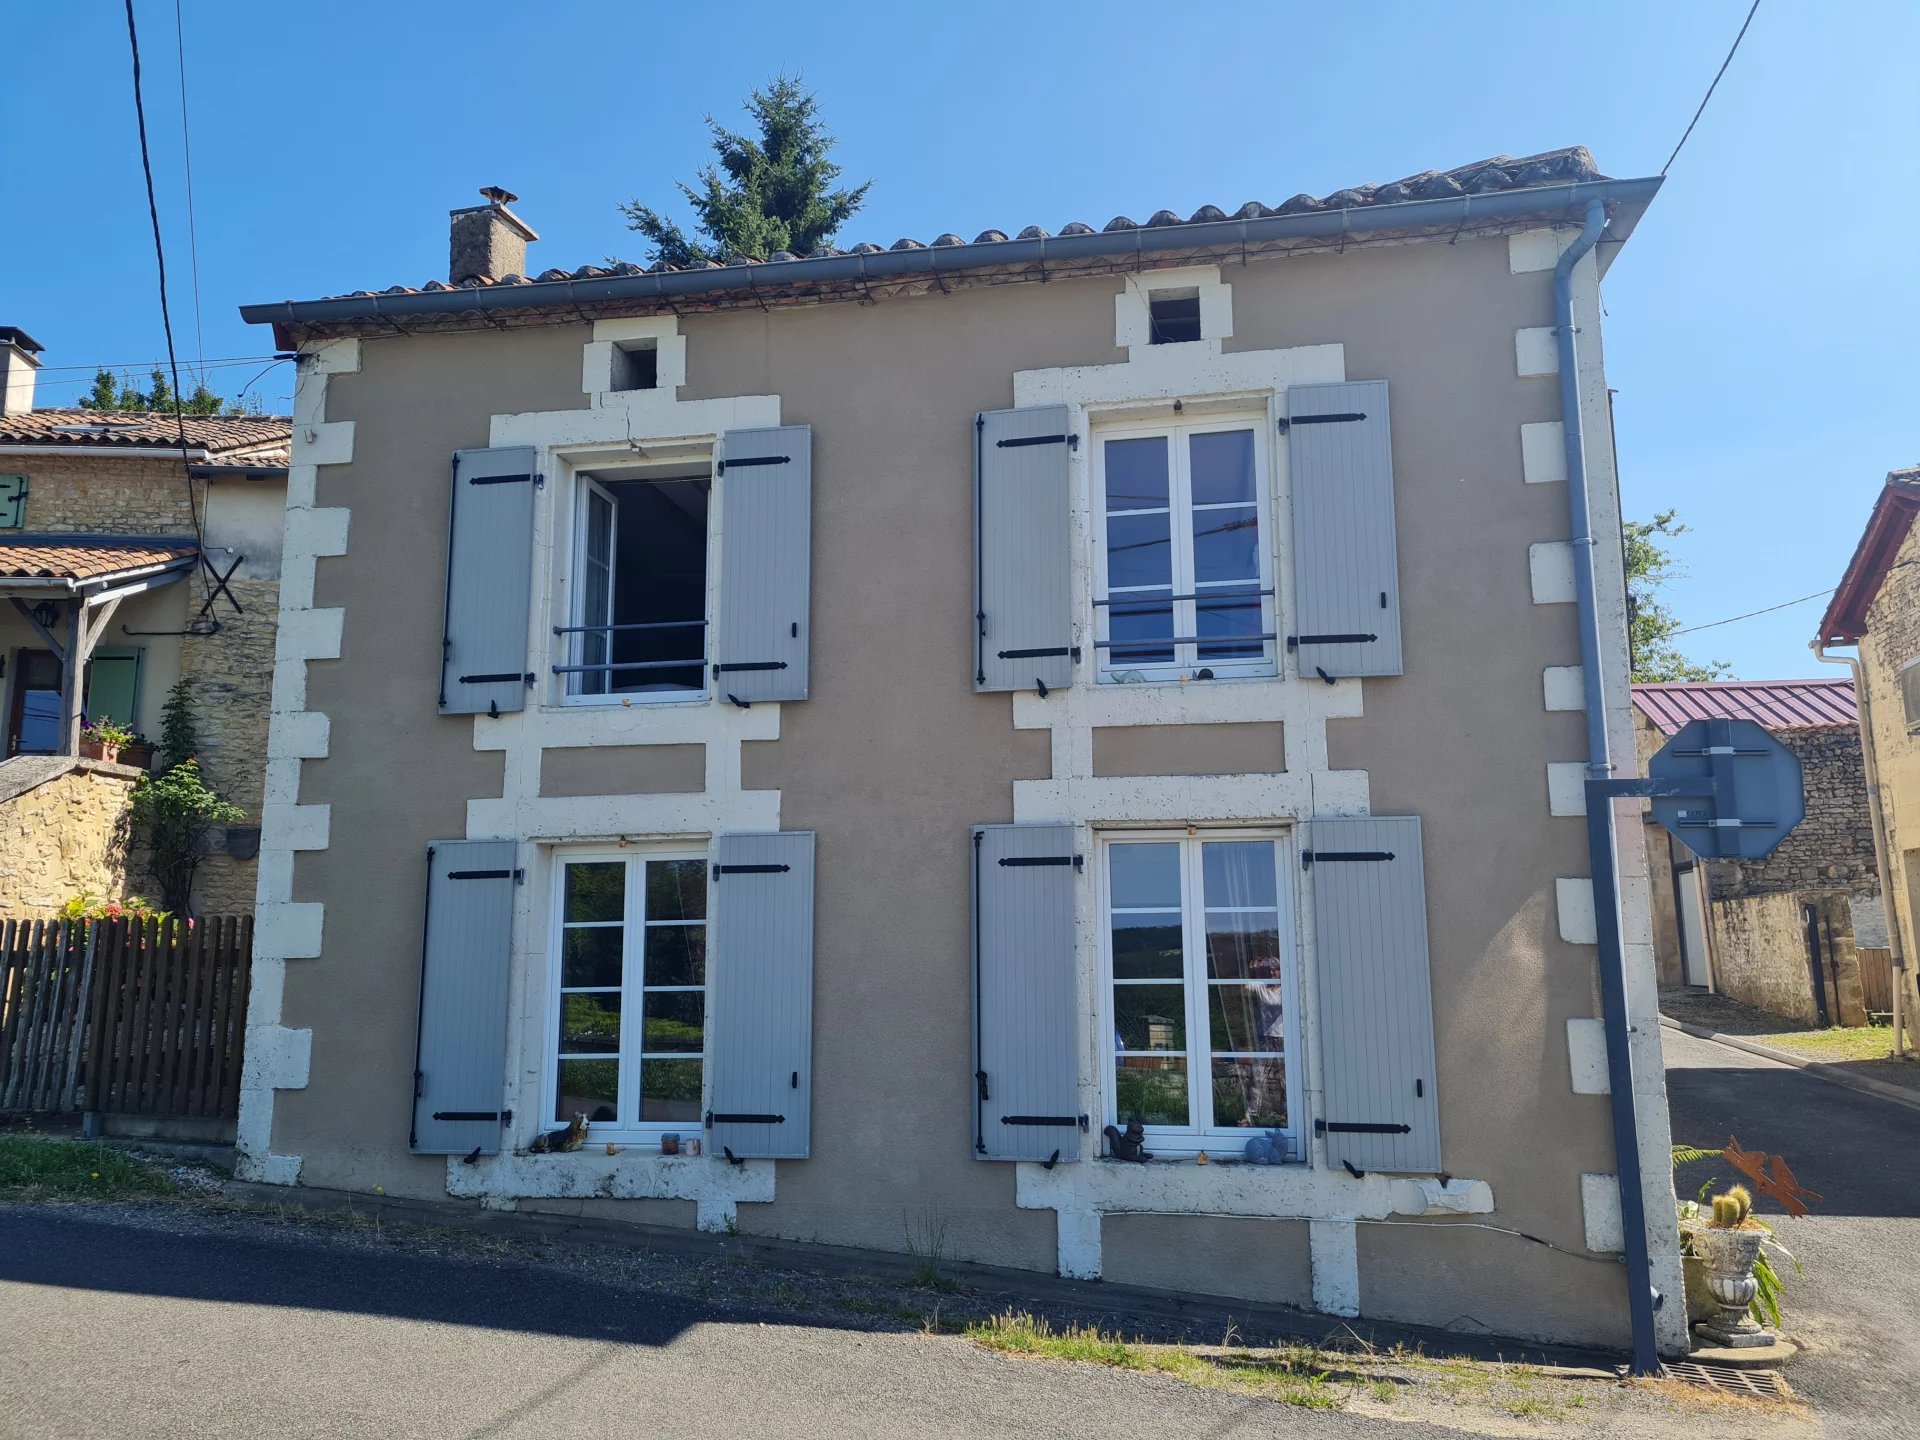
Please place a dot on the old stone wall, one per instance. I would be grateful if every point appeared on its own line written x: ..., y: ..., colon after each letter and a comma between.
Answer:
x: 1831, y: 850
x: 107, y: 495
x: 229, y: 669
x: 1761, y: 958
x: 1891, y: 642
x: 63, y: 832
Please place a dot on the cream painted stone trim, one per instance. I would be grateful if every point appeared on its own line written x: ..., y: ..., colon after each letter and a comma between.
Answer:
x: 1600, y: 1210
x: 670, y: 349
x: 1564, y: 687
x: 1132, y: 315
x: 1573, y: 898
x: 1587, y: 1056
x: 1534, y: 353
x: 1566, y: 787
x: 1333, y: 1248
x: 717, y: 1189
x: 1532, y: 250
x: 1550, y: 567
x: 615, y: 428
x: 277, y: 1057
x: 1543, y: 453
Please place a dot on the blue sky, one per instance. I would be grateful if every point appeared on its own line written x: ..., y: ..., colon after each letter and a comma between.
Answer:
x: 1761, y: 325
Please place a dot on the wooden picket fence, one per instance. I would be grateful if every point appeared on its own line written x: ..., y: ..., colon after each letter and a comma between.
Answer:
x: 142, y: 1017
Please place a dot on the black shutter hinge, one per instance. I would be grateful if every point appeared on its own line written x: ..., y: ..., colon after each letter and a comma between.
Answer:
x: 1287, y: 423
x: 732, y: 666
x: 1329, y: 857
x: 1072, y: 442
x: 718, y: 1117
x: 720, y: 870
x: 1079, y: 1121
x: 519, y: 877
x: 1294, y: 642
x: 746, y: 460
x: 1358, y: 1127
x: 1079, y: 862
x: 537, y: 481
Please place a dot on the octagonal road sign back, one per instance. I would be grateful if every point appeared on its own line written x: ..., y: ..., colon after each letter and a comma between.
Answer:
x: 1758, y: 793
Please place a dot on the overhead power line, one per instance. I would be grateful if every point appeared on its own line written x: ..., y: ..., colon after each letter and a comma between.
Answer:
x: 1783, y: 605
x: 186, y: 151
x: 1710, y: 89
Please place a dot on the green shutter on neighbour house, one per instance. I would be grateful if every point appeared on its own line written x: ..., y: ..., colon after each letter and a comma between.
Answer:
x: 1380, y: 1110
x: 760, y: 989
x: 460, y: 1063
x: 113, y: 685
x: 1023, y: 550
x: 483, y: 662
x: 1345, y: 558
x: 763, y: 640
x: 1026, y: 1062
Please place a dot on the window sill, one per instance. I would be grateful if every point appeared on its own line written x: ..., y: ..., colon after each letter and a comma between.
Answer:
x: 1294, y: 1191
x: 628, y: 702
x: 591, y: 1173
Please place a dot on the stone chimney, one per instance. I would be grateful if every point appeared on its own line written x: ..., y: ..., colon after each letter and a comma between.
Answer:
x: 487, y: 242
x: 17, y: 364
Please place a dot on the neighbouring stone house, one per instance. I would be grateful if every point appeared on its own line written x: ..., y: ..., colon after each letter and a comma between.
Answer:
x: 885, y: 716
x: 1877, y: 608
x: 1778, y: 933
x: 153, y: 565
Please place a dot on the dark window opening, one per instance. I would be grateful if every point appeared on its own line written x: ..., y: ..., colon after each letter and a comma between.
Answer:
x: 1174, y: 317
x: 643, y: 577
x: 636, y: 367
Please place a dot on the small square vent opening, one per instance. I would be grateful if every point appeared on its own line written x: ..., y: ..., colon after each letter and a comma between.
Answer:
x: 1174, y: 316
x: 636, y: 365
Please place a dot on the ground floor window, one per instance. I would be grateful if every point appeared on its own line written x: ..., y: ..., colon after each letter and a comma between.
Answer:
x: 628, y: 1041
x: 1199, y: 982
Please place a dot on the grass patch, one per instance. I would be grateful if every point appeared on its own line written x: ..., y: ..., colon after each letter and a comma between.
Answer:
x: 1290, y: 1376
x: 34, y: 1168
x: 1862, y: 1042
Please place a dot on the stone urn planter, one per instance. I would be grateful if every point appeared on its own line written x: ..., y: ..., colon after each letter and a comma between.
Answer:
x: 1727, y: 1258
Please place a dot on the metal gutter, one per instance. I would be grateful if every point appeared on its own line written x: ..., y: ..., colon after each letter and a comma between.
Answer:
x: 167, y: 451
x: 933, y: 261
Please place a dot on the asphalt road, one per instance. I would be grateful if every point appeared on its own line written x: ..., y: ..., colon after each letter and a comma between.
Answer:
x: 108, y: 1329
x: 1857, y: 1307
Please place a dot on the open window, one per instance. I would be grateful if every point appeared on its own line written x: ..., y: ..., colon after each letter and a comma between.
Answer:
x: 638, y: 627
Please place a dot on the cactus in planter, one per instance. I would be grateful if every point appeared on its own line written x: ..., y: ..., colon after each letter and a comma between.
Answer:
x: 1733, y: 1209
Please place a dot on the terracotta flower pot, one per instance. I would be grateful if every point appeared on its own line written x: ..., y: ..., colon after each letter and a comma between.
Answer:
x: 98, y: 750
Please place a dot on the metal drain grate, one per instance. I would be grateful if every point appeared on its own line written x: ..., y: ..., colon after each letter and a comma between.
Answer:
x: 1761, y: 1384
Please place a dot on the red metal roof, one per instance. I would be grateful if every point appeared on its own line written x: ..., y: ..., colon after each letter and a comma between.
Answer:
x: 1776, y: 704
x: 1893, y: 512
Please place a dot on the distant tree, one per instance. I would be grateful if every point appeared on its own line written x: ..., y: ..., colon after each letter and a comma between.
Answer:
x: 766, y: 194
x: 111, y: 392
x: 1651, y: 625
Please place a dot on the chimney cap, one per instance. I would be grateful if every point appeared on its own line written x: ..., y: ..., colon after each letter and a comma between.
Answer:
x: 498, y: 195
x: 20, y: 340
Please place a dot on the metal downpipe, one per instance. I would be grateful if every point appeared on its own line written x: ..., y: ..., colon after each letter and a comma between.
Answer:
x: 1642, y: 1299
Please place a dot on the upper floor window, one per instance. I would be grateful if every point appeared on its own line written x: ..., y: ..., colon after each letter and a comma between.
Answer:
x: 1199, y: 972
x: 1184, y: 570
x: 629, y: 989
x: 639, y: 620
x: 13, y: 502
x: 1910, y: 694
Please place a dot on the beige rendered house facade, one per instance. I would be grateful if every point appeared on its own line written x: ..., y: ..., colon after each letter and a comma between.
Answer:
x: 875, y: 720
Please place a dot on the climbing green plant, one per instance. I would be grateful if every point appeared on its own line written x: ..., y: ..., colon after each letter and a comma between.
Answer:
x: 176, y: 809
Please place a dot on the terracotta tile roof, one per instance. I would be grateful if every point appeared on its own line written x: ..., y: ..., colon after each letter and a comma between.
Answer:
x: 1501, y: 172
x: 1893, y: 512
x: 73, y: 558
x: 223, y: 437
x: 1776, y: 704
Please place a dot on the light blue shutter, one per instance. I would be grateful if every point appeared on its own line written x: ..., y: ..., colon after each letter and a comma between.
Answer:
x: 766, y: 566
x: 760, y: 1032
x: 1376, y: 1000
x: 460, y: 1065
x: 1023, y: 550
x: 1026, y: 1061
x: 483, y: 658
x: 1346, y: 573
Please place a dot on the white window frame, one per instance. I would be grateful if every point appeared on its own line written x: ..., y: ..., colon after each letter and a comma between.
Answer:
x: 1187, y: 1140
x: 571, y: 648
x: 628, y: 1130
x: 1186, y: 662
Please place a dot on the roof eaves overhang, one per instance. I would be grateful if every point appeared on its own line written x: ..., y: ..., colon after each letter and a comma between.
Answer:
x: 1045, y: 256
x: 1845, y: 620
x: 193, y: 453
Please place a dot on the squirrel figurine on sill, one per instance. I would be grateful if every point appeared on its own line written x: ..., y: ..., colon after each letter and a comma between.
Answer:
x: 565, y: 1140
x: 1129, y: 1144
